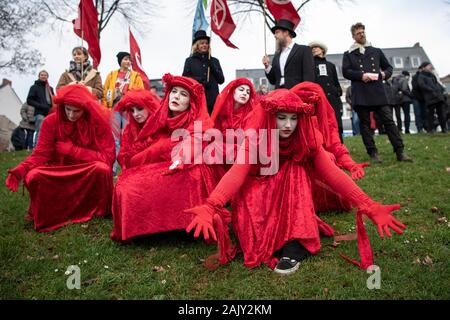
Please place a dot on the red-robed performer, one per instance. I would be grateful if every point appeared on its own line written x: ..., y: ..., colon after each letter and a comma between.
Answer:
x: 275, y: 214
x: 325, y: 199
x: 149, y: 197
x: 138, y: 105
x: 69, y: 175
x: 232, y: 106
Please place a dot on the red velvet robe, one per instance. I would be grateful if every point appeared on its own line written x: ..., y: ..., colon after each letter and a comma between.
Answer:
x: 66, y: 189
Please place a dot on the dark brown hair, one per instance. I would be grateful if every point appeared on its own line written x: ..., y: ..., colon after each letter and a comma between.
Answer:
x: 82, y: 49
x: 357, y: 26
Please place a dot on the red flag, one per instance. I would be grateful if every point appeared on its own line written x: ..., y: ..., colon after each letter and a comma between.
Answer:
x: 135, y: 54
x: 221, y: 21
x: 283, y: 9
x: 86, y: 27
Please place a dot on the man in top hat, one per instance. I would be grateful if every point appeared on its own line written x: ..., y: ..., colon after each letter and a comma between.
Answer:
x: 204, y: 68
x: 326, y: 77
x: 292, y: 63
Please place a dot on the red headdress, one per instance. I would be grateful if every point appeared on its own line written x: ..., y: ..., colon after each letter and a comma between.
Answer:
x: 92, y: 128
x: 223, y: 115
x: 139, y: 97
x: 197, y: 110
x: 282, y: 100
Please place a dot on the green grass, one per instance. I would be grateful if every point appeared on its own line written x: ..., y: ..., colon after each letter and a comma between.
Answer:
x: 32, y: 264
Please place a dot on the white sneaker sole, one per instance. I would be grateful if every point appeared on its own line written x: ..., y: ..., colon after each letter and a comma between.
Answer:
x: 287, y: 272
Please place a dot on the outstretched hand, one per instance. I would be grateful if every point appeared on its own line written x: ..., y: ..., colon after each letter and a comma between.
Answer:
x: 381, y: 215
x: 357, y: 171
x: 202, y: 222
x: 12, y: 183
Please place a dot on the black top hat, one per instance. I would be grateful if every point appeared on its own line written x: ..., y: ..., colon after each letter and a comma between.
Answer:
x: 284, y: 25
x: 199, y: 35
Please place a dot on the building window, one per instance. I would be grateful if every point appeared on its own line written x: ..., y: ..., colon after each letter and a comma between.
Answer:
x: 398, y: 62
x: 415, y: 62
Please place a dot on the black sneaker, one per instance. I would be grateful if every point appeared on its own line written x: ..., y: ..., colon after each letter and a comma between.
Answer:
x: 286, y: 266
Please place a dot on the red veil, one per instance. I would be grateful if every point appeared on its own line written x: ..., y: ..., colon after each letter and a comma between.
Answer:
x: 132, y: 133
x: 223, y: 115
x: 93, y: 129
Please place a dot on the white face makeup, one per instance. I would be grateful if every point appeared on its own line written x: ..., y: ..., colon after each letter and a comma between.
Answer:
x: 179, y: 99
x: 73, y: 113
x: 139, y: 114
x: 242, y: 94
x: 286, y: 123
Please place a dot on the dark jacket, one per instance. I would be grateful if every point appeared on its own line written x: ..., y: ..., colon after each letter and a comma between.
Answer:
x: 299, y: 67
x: 196, y: 67
x: 430, y: 88
x: 417, y: 94
x: 355, y: 64
x: 37, y: 98
x: 329, y: 81
x: 400, y: 88
x: 390, y: 94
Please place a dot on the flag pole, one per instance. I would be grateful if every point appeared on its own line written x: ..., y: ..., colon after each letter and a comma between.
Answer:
x: 82, y: 39
x: 265, y: 34
x: 209, y: 55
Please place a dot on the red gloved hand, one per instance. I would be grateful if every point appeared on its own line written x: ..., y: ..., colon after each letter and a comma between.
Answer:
x: 357, y: 171
x: 203, y: 221
x: 14, y: 177
x: 381, y: 216
x: 64, y: 147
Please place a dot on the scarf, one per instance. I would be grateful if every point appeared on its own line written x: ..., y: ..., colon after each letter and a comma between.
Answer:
x: 361, y: 47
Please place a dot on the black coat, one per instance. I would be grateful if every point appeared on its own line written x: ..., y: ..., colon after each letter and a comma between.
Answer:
x: 400, y: 87
x: 196, y: 67
x: 355, y: 64
x: 417, y: 94
x: 329, y: 82
x: 430, y: 88
x: 299, y: 67
x: 37, y: 98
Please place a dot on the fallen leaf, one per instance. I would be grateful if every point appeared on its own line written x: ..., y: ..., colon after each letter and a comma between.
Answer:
x: 447, y: 169
x: 85, y: 226
x: 434, y: 209
x: 326, y: 291
x: 89, y: 282
x: 417, y: 261
x: 428, y: 261
x: 55, y: 257
x: 335, y: 244
x: 158, y: 269
x: 346, y: 237
x: 442, y: 220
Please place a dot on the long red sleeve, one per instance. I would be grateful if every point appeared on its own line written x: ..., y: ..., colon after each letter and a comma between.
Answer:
x: 339, y: 181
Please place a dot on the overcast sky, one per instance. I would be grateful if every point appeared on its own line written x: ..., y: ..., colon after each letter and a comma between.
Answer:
x: 164, y: 48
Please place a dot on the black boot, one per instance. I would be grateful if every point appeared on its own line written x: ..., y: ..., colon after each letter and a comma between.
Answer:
x: 402, y: 156
x: 375, y: 158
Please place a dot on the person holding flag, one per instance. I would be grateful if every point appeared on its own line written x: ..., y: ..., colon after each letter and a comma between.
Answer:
x: 82, y: 72
x: 205, y: 69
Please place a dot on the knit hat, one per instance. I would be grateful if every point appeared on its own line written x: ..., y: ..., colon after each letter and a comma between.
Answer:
x: 121, y: 55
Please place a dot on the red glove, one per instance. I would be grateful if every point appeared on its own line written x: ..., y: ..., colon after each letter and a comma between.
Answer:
x: 64, y: 147
x: 382, y: 217
x: 14, y: 177
x: 357, y: 170
x: 203, y: 221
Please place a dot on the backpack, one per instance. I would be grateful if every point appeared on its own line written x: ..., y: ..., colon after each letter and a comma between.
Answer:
x: 18, y: 138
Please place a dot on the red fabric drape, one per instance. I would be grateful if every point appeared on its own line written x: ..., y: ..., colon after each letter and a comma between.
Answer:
x: 148, y: 198
x: 66, y: 188
x: 131, y: 143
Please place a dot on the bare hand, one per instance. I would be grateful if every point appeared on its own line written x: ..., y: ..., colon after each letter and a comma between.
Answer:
x: 383, y: 75
x: 366, y: 78
x: 266, y: 61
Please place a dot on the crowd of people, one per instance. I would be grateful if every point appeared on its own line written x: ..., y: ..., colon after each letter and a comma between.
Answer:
x: 188, y: 160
